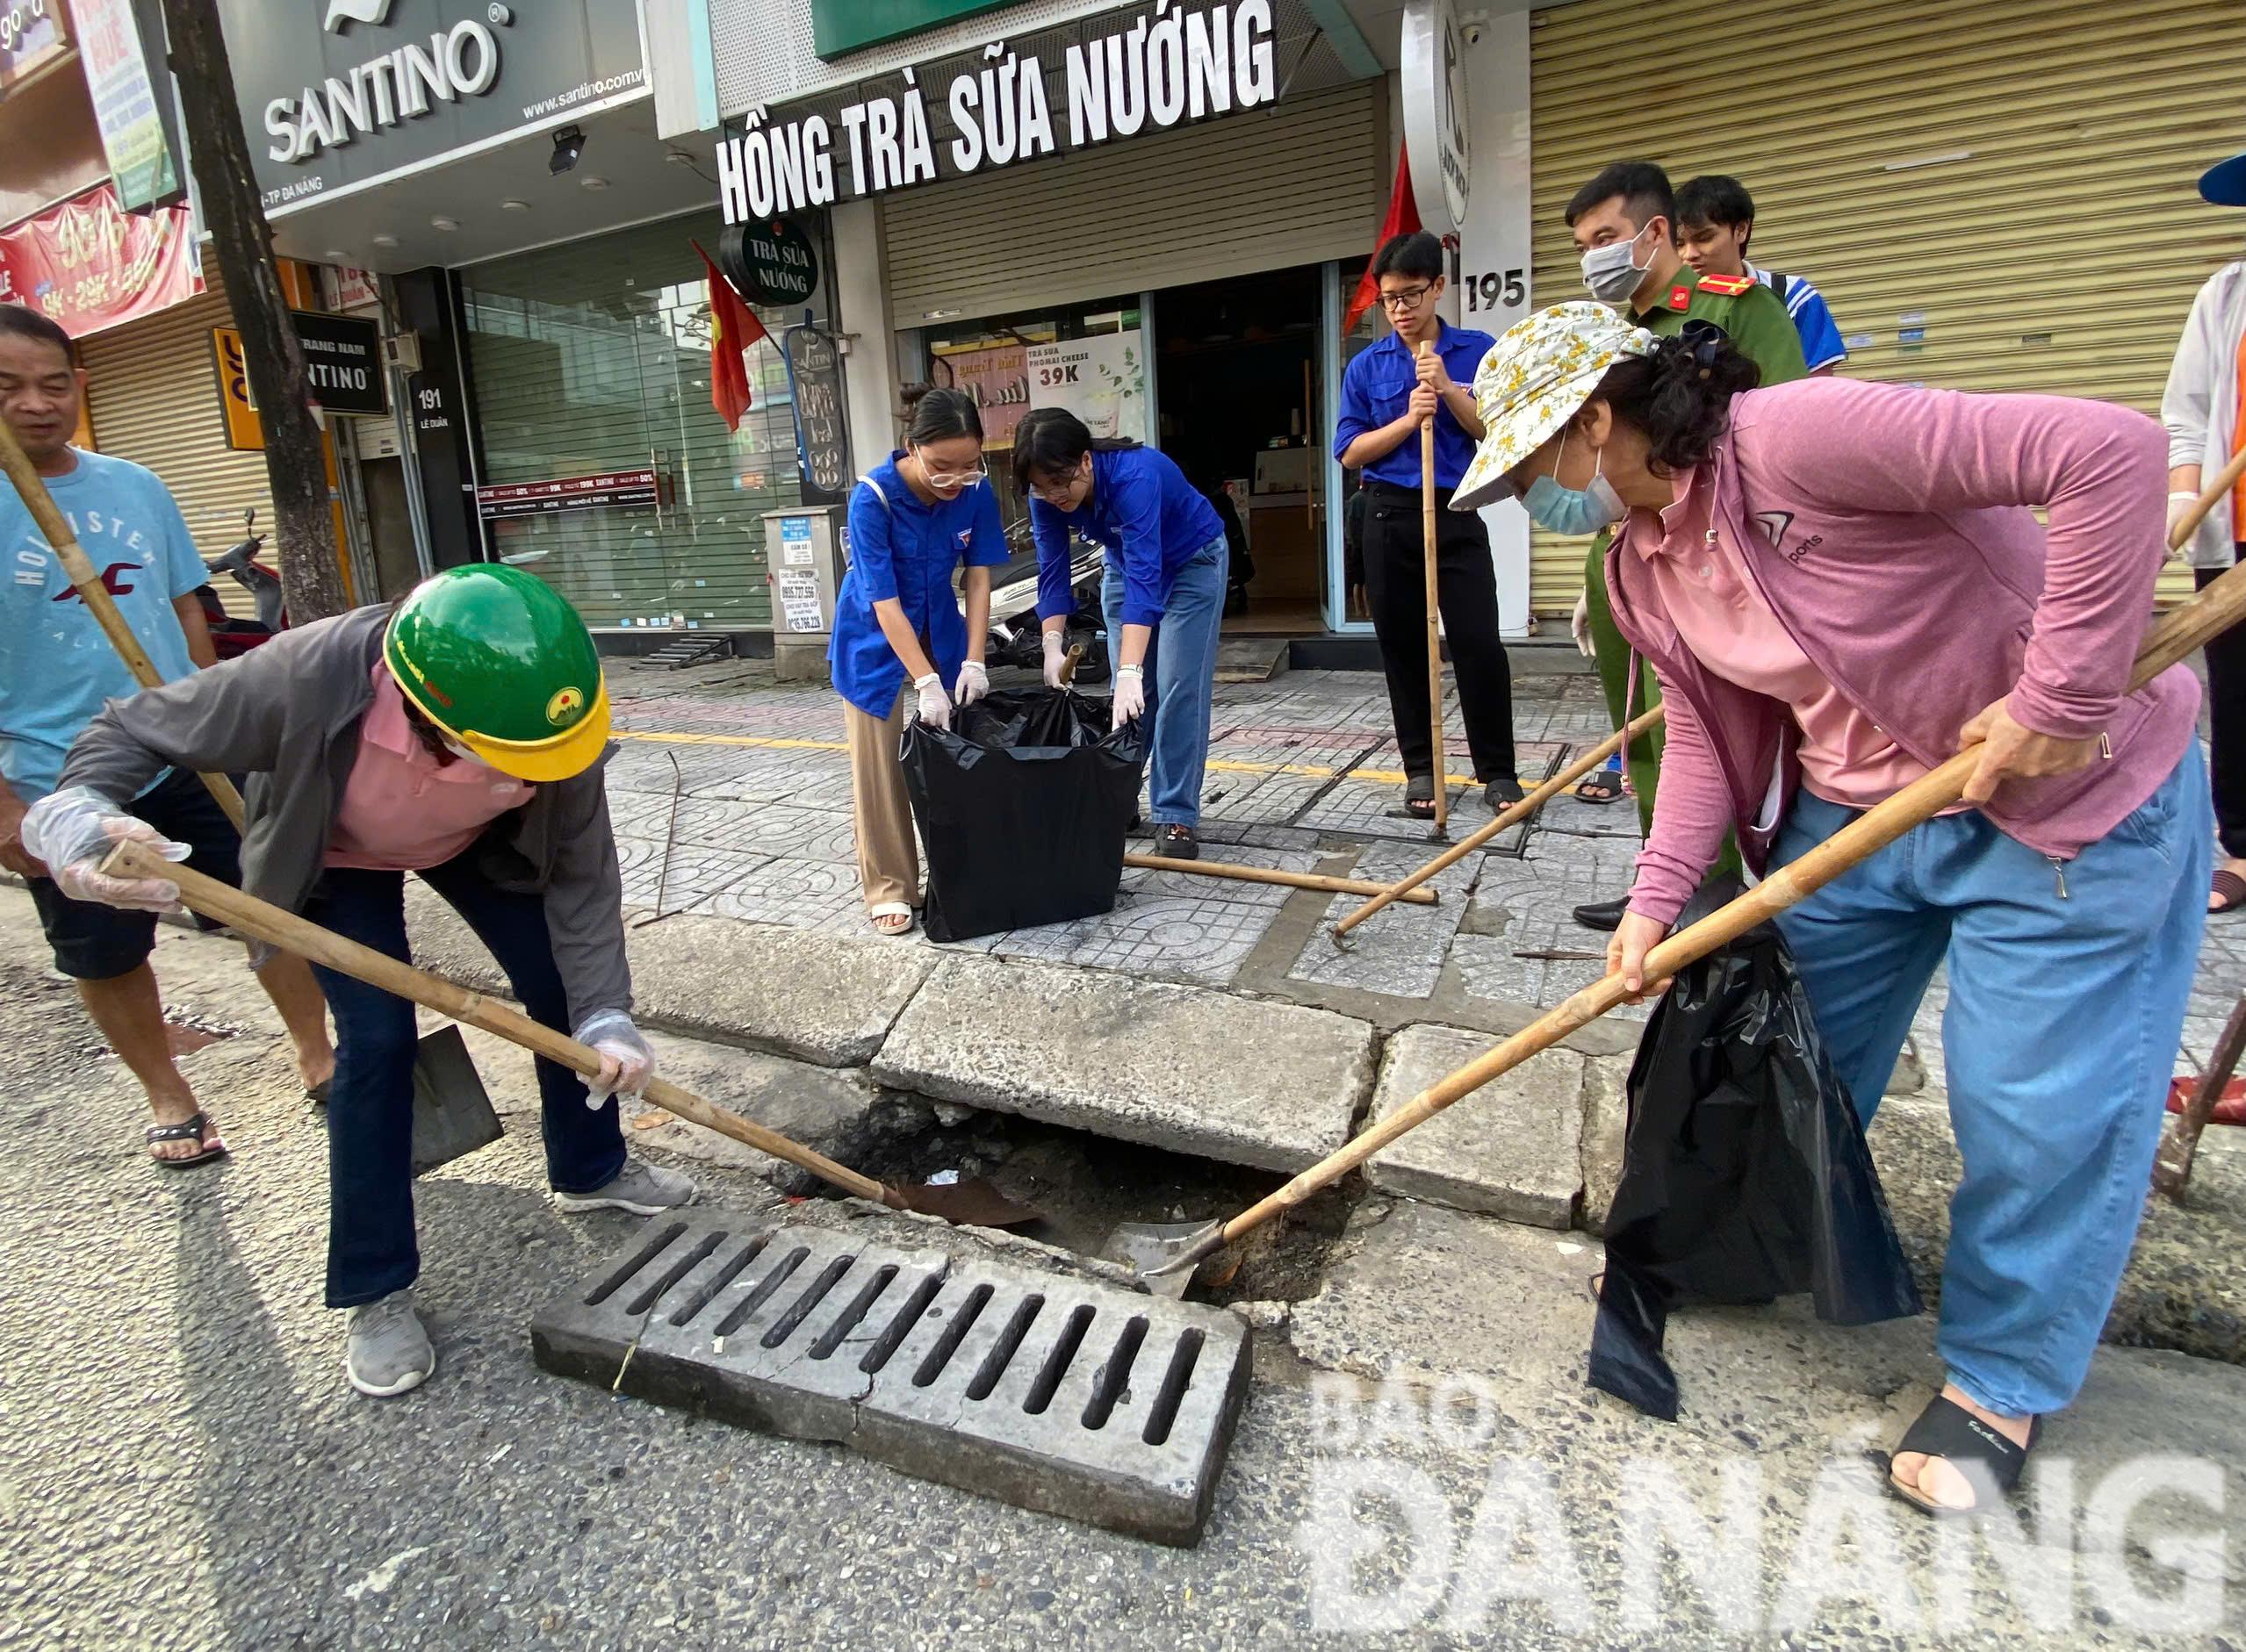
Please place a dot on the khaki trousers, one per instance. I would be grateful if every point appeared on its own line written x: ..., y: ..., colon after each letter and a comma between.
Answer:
x: 889, y: 860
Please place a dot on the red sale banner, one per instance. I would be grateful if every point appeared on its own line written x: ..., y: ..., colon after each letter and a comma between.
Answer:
x: 90, y: 266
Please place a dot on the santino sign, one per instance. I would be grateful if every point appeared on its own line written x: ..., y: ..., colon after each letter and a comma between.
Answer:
x: 1176, y: 63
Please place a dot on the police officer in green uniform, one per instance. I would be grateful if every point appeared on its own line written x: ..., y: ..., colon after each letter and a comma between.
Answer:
x: 1624, y: 225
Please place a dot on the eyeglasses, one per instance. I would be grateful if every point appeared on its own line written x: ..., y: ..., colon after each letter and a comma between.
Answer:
x: 956, y: 479
x: 1406, y: 297
x: 1054, y: 493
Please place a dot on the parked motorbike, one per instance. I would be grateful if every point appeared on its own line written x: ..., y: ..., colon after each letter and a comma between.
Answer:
x: 1014, y: 636
x: 231, y: 637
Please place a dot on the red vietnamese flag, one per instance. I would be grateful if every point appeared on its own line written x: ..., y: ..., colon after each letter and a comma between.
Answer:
x: 733, y: 327
x: 1403, y: 217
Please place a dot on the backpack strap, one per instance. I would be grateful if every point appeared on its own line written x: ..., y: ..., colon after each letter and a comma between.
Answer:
x: 868, y: 480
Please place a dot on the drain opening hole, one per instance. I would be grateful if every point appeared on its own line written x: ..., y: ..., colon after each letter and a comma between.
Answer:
x: 868, y: 1294
x: 1172, y: 1394
x: 677, y: 1271
x: 907, y: 1317
x: 784, y: 1327
x: 757, y: 1297
x: 955, y: 1333
x: 724, y: 1276
x: 1056, y: 1363
x: 1115, y: 1374
x: 654, y: 1246
x: 1008, y: 1344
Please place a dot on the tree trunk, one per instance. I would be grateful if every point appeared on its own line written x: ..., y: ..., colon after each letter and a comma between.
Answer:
x: 304, y: 525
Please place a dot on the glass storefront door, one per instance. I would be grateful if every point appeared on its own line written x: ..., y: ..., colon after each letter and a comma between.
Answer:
x: 592, y: 358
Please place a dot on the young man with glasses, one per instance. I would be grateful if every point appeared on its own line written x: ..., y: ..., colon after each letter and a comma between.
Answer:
x: 1388, y: 393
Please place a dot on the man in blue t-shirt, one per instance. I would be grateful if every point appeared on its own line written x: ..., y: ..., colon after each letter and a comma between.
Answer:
x: 56, y: 670
x: 1714, y: 220
x: 1388, y: 393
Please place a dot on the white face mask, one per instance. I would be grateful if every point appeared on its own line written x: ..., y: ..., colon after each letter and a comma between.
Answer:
x: 461, y: 751
x: 1612, y: 272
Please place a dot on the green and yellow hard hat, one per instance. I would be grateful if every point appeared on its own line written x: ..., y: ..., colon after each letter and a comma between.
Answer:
x: 495, y: 659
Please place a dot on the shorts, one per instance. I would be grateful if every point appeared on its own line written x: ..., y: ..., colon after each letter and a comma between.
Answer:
x: 92, y: 942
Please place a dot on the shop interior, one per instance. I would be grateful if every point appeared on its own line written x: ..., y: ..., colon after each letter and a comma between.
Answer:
x: 1238, y: 398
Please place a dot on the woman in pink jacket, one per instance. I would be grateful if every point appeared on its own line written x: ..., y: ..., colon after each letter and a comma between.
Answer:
x: 1841, y: 583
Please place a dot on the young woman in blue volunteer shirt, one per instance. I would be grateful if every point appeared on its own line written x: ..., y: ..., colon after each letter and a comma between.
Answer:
x: 1162, y: 594
x: 898, y: 630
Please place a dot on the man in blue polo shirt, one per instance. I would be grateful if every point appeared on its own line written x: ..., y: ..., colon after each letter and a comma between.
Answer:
x: 1388, y: 394
x: 57, y: 668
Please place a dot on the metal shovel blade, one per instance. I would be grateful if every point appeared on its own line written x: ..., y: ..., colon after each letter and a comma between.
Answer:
x: 975, y: 1202
x: 452, y: 1112
x: 1163, y: 1255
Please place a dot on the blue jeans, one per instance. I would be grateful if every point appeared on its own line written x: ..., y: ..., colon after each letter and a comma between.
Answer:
x: 370, y: 1246
x: 2060, y: 1038
x: 1181, y: 667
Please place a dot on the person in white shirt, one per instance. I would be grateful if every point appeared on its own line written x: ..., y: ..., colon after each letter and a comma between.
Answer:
x: 2200, y: 408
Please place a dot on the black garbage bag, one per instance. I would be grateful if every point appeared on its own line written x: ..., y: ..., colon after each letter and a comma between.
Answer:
x: 1023, y: 804
x: 1745, y: 1176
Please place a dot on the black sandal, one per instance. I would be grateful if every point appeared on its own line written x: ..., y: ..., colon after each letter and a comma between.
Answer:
x: 186, y: 1130
x: 1601, y: 785
x: 1502, y: 793
x: 1419, y: 797
x: 1947, y: 1430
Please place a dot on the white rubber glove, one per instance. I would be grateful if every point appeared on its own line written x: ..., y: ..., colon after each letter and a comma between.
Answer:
x: 973, y: 683
x: 626, y: 1062
x: 2179, y: 507
x: 1130, y: 693
x: 1056, y: 654
x: 1578, y: 625
x: 935, y: 703
x: 72, y: 830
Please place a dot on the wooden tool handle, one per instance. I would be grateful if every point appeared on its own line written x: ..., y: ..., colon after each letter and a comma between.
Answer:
x: 1075, y: 657
x: 1319, y: 880
x: 2214, y: 611
x: 247, y: 915
x: 1434, y: 618
x: 2210, y: 496
x: 55, y: 528
x: 1507, y: 816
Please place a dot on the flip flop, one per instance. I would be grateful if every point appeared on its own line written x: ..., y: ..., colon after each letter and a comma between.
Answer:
x: 1947, y: 1430
x: 1601, y: 785
x: 2229, y: 891
x: 186, y: 1130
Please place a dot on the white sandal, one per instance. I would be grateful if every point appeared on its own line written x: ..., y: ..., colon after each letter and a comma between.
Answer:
x: 890, y: 909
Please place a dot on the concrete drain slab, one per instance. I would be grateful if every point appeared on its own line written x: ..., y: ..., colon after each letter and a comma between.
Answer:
x: 1055, y: 1393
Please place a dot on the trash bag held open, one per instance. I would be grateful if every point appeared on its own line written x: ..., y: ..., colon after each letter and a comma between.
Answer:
x: 1746, y: 1175
x: 1023, y: 804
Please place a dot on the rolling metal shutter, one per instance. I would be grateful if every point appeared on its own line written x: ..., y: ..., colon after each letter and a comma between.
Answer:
x: 1262, y: 189
x: 2015, y: 177
x: 154, y: 397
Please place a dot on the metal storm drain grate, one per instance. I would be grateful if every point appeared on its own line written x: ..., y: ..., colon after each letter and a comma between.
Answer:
x: 1067, y: 1397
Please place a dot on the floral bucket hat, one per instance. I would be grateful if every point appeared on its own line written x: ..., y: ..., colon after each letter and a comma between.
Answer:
x: 1532, y: 381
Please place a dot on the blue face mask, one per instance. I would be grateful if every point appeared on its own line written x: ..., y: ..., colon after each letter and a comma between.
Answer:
x: 1577, y: 513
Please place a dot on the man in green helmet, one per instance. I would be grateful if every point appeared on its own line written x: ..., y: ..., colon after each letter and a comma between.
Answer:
x: 459, y: 735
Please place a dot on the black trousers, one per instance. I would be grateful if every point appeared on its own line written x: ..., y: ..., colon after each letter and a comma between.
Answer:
x: 1395, y: 576
x: 2227, y: 725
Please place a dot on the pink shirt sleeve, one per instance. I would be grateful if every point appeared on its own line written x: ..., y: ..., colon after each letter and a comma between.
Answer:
x: 1691, y: 813
x: 2098, y: 471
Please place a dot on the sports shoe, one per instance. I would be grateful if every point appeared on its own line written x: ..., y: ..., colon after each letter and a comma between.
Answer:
x: 642, y: 1188
x: 388, y: 1351
x: 1177, y: 841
